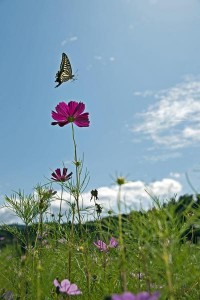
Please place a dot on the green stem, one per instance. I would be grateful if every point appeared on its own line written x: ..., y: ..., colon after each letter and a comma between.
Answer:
x: 77, y: 165
x: 27, y: 236
x: 39, y: 228
x: 166, y: 259
x: 121, y: 244
x: 71, y: 242
x: 59, y: 215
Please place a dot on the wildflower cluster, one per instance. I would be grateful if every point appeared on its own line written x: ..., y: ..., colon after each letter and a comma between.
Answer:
x: 103, y: 247
x: 66, y: 287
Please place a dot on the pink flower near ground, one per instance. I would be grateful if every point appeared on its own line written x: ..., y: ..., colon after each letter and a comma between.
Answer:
x: 124, y: 296
x: 57, y: 176
x: 103, y: 247
x: 113, y: 243
x: 66, y: 287
x: 70, y: 113
x: 140, y: 296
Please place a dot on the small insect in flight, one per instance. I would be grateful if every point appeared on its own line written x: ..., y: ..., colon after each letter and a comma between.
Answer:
x: 65, y: 72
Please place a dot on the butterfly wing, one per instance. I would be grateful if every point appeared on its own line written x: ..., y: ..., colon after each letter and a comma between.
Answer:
x: 65, y: 65
x: 65, y: 72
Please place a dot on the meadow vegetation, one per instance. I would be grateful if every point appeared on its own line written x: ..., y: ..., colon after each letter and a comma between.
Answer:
x: 64, y: 256
x: 157, y: 250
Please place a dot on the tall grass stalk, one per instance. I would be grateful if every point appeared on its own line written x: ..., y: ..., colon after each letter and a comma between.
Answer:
x: 77, y: 168
x: 122, y: 259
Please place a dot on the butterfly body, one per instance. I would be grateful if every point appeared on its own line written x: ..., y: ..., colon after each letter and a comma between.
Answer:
x: 65, y: 72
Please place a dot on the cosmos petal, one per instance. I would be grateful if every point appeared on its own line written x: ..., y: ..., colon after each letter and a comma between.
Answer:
x: 73, y: 290
x: 56, y: 283
x: 65, y: 284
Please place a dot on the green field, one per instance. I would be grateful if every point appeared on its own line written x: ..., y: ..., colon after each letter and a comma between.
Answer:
x: 158, y: 250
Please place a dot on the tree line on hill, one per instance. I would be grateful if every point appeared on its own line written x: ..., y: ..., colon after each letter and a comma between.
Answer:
x: 186, y: 210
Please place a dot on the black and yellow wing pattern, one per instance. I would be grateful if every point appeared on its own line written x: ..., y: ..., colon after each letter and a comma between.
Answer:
x: 65, y: 72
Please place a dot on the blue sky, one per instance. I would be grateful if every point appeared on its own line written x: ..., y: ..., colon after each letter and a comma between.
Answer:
x: 138, y: 75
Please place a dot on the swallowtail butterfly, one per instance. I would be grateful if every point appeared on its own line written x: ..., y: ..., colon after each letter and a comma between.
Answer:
x: 65, y: 72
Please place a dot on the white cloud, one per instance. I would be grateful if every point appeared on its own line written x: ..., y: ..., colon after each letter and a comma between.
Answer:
x: 144, y: 94
x: 134, y: 195
x: 73, y: 39
x: 103, y: 60
x: 69, y: 40
x: 162, y: 157
x: 173, y: 122
x: 165, y: 187
x: 175, y: 175
x: 63, y: 43
x: 8, y: 217
x: 192, y: 133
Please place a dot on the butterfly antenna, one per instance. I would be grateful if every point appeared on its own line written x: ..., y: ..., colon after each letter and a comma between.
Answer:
x: 75, y: 78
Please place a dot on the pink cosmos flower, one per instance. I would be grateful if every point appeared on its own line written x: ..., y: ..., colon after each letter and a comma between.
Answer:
x: 66, y: 287
x: 70, y: 113
x: 113, y: 243
x: 140, y: 296
x: 57, y: 176
x: 103, y: 247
